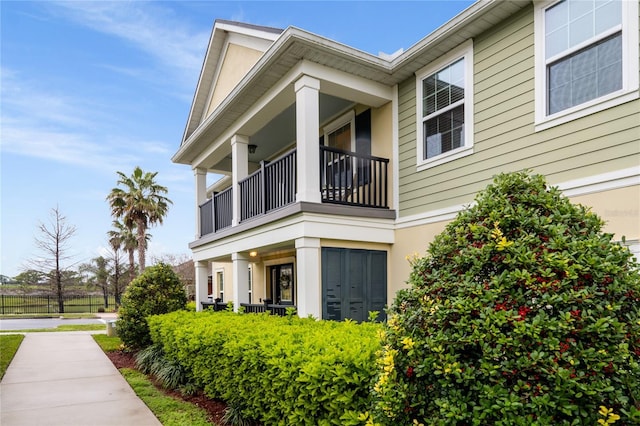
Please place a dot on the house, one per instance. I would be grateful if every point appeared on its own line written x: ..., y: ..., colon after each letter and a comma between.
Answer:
x: 336, y: 164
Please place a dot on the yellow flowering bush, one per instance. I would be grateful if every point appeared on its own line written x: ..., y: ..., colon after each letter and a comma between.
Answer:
x: 523, y: 312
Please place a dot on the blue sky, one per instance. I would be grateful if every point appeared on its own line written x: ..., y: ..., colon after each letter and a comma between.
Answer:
x: 91, y: 88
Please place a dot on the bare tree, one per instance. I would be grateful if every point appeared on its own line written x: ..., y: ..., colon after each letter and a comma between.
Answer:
x: 52, y: 241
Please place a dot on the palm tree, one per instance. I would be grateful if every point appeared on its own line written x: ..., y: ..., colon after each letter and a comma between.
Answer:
x: 124, y: 238
x: 140, y: 204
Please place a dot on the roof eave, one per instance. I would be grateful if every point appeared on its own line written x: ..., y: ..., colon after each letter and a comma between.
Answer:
x: 289, y: 38
x: 218, y: 33
x: 389, y: 72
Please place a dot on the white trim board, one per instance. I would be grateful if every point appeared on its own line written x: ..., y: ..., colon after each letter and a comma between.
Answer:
x: 573, y: 188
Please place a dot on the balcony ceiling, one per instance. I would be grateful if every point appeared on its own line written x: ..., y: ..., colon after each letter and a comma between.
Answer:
x: 295, y: 45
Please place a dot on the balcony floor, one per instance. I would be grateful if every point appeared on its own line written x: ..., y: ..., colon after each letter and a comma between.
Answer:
x: 294, y: 209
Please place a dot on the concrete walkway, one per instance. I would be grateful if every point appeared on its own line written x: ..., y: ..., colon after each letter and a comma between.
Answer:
x: 66, y: 379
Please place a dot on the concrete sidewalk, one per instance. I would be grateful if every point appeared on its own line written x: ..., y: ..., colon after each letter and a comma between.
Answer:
x: 66, y: 379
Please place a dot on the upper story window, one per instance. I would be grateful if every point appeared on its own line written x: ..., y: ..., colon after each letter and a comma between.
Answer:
x: 445, y: 108
x: 339, y: 133
x: 586, y: 57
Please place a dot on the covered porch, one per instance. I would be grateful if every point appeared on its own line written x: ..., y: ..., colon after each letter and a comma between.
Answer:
x: 307, y: 161
x: 317, y: 136
x: 346, y: 178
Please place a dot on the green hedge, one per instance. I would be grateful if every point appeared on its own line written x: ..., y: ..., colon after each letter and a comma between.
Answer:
x: 276, y: 370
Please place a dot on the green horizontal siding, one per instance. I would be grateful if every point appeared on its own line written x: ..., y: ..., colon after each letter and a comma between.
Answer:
x: 505, y: 139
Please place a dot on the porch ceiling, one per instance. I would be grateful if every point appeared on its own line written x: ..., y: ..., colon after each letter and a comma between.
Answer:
x: 280, y: 132
x: 295, y: 46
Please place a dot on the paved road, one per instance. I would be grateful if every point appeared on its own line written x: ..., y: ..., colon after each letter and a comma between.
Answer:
x: 31, y: 324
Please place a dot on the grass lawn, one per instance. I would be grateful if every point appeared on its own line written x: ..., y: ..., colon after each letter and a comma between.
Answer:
x: 108, y: 343
x: 170, y: 411
x: 9, y: 345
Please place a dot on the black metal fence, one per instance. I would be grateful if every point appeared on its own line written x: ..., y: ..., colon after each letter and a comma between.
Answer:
x: 255, y: 308
x: 14, y: 304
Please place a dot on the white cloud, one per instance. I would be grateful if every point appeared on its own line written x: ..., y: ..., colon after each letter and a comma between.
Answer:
x: 60, y: 146
x: 39, y: 107
x: 148, y: 26
x: 40, y: 123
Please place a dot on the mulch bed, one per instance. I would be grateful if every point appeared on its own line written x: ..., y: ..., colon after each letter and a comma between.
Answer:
x: 214, y: 408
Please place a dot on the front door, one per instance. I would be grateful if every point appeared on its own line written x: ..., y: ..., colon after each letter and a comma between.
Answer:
x: 282, y: 283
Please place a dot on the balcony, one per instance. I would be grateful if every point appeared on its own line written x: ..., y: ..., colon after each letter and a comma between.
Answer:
x: 346, y: 178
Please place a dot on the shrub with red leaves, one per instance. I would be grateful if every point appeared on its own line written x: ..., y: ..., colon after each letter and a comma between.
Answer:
x: 522, y: 312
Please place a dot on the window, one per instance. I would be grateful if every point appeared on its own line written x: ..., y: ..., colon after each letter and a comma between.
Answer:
x: 250, y: 284
x: 340, y: 138
x: 339, y: 135
x: 586, y: 56
x: 445, y: 108
x: 220, y: 284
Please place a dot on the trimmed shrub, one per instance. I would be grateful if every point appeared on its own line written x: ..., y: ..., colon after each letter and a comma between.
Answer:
x: 272, y: 369
x: 523, y: 312
x: 156, y: 291
x: 169, y: 373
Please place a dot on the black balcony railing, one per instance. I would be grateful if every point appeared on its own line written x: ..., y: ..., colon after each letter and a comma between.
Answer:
x: 353, y: 179
x: 346, y: 177
x: 223, y: 209
x: 206, y: 217
x: 271, y: 187
x: 216, y: 213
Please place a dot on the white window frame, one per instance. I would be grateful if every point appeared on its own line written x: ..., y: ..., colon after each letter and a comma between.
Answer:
x: 464, y: 51
x: 220, y: 294
x: 348, y: 118
x: 250, y: 283
x: 629, y: 89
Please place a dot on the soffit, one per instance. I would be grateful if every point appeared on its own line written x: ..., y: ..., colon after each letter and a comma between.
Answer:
x: 475, y: 20
x: 295, y: 45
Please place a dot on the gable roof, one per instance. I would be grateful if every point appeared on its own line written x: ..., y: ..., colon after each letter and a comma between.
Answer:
x: 215, y: 50
x: 294, y: 45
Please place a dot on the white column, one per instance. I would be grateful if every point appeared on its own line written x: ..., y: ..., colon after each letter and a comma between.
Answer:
x: 309, y: 300
x: 202, y: 278
x: 240, y: 170
x: 307, y: 127
x: 240, y: 279
x: 201, y: 195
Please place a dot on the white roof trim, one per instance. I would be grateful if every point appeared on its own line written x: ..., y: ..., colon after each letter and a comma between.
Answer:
x: 208, y: 72
x: 286, y: 46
